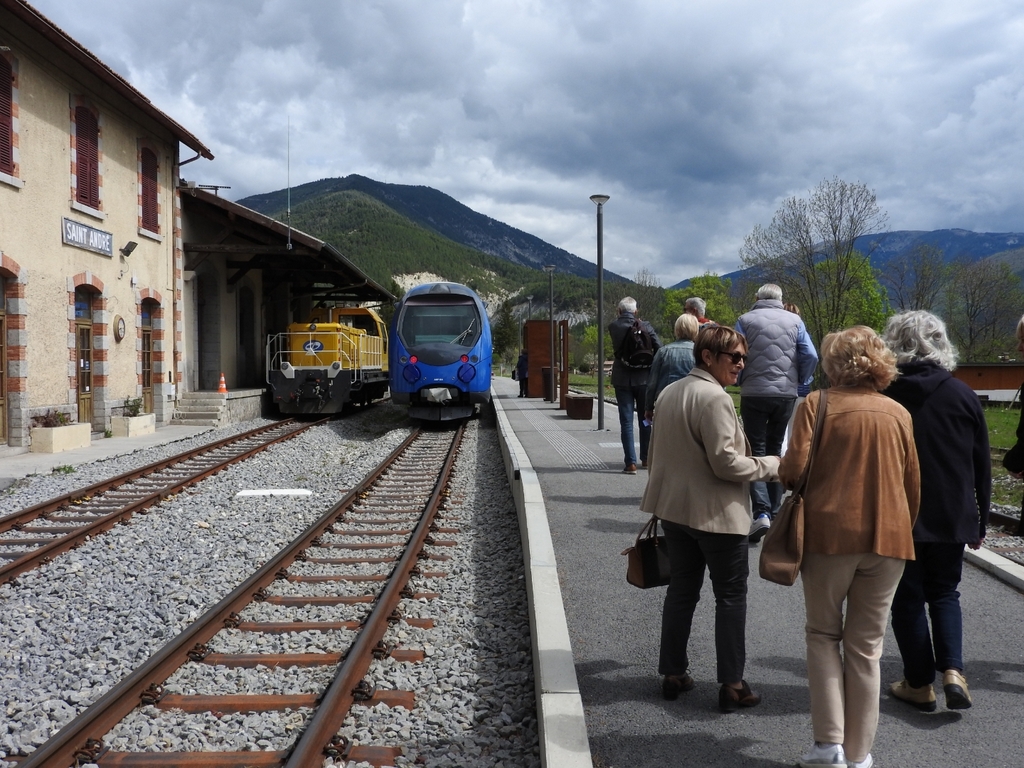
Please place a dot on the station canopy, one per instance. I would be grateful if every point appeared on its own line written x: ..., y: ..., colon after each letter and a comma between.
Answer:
x: 249, y: 241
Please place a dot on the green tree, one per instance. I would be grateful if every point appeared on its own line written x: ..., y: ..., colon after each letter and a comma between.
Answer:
x: 716, y: 292
x: 505, y: 333
x: 822, y: 229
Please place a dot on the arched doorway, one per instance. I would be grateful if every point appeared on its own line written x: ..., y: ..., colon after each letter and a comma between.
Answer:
x: 3, y: 359
x: 149, y: 308
x: 83, y: 352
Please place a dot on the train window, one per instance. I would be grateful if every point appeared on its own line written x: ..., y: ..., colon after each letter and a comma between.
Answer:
x: 440, y: 323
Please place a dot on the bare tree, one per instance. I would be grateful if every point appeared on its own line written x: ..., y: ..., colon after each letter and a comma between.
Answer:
x: 808, y: 249
x: 983, y: 300
x: 915, y: 278
x: 649, y: 296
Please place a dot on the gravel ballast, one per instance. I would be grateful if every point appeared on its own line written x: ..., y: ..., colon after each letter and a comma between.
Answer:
x: 75, y: 627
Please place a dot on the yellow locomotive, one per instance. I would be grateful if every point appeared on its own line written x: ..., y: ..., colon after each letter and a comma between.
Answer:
x: 338, y: 356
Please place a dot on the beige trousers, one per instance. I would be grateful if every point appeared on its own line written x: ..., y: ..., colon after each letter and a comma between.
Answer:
x: 845, y: 685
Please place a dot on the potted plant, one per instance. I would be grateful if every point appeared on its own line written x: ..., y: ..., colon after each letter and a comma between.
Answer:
x: 133, y: 422
x: 55, y: 431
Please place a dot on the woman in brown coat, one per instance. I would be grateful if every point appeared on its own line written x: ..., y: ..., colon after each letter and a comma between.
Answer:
x: 860, y: 505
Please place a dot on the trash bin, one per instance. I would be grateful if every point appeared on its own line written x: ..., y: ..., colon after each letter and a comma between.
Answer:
x: 579, y: 406
x: 550, y: 384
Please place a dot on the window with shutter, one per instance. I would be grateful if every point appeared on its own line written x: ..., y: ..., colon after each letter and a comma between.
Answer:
x: 87, y: 166
x: 150, y: 220
x: 6, y: 117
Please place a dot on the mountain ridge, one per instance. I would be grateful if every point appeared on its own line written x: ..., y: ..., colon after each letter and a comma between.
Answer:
x: 440, y: 213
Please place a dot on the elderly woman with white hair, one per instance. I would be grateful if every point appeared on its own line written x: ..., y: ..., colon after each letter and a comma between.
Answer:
x: 956, y: 484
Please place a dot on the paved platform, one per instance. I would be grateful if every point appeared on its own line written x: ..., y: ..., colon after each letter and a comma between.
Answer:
x: 17, y: 463
x: 591, y: 509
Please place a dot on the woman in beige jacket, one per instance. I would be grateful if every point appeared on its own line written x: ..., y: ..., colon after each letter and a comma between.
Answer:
x: 860, y: 505
x: 700, y: 470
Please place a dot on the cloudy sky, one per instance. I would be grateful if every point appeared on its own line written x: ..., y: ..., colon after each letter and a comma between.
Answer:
x: 697, y: 117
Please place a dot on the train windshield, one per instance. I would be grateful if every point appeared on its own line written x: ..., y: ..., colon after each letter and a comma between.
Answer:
x: 429, y: 321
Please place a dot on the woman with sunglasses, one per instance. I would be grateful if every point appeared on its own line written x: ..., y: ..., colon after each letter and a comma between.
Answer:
x: 700, y: 470
x: 860, y: 505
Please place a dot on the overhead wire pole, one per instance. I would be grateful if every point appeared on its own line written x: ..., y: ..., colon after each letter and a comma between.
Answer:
x: 599, y: 201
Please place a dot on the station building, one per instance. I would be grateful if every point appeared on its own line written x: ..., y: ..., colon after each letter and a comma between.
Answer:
x: 98, y: 307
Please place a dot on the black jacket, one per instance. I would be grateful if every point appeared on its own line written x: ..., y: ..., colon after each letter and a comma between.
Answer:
x: 952, y: 445
x: 623, y: 375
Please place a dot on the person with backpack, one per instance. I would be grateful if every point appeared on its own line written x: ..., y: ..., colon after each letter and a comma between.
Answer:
x: 634, y: 342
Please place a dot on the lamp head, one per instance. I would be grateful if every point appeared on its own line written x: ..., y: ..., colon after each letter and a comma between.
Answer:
x: 549, y: 268
x: 129, y: 247
x: 599, y: 199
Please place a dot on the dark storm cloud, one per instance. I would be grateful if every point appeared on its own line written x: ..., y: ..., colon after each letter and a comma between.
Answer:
x: 697, y: 118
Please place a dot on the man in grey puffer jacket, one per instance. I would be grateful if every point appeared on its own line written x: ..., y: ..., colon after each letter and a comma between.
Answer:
x: 780, y: 356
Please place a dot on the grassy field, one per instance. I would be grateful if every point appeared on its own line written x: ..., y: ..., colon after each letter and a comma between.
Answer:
x: 1002, y: 434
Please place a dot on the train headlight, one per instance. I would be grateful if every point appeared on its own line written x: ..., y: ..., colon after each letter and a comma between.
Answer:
x: 411, y: 374
x: 466, y: 373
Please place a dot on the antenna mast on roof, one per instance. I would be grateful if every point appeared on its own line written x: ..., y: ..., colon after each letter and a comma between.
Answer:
x: 288, y: 162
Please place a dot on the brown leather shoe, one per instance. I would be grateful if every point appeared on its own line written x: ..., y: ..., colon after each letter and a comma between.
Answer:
x: 630, y: 469
x: 730, y: 699
x: 673, y: 685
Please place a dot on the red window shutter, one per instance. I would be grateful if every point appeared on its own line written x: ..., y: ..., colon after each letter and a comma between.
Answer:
x: 150, y: 219
x: 87, y: 139
x: 6, y: 117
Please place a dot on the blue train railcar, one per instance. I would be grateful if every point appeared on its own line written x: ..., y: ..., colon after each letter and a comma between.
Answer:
x: 440, y: 354
x: 338, y: 356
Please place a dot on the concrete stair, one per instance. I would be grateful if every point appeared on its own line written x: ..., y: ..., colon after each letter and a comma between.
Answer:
x: 201, y: 409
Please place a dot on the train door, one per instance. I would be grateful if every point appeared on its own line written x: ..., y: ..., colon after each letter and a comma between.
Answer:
x: 147, y: 357
x: 83, y: 353
x: 3, y: 361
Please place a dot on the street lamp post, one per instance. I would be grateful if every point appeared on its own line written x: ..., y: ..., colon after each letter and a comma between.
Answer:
x: 599, y: 201
x: 550, y: 269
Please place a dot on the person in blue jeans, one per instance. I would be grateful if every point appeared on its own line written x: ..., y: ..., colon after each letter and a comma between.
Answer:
x: 956, y: 487
x: 630, y: 385
x: 781, y: 357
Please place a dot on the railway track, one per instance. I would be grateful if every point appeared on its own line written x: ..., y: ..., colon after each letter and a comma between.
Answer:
x: 360, y: 553
x: 34, y: 536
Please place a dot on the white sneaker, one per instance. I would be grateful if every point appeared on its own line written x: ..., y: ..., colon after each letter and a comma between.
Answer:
x: 759, y: 528
x: 824, y: 754
x: 867, y: 762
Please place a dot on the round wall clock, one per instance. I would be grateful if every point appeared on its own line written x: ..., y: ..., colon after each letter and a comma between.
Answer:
x: 118, y: 328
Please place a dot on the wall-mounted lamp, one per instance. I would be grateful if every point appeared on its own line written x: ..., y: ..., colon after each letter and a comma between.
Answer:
x: 130, y: 246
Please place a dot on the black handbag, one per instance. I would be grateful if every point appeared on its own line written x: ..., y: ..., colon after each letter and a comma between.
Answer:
x: 647, y: 563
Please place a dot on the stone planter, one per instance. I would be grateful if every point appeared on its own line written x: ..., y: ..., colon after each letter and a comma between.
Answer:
x: 132, y: 426
x: 57, y: 439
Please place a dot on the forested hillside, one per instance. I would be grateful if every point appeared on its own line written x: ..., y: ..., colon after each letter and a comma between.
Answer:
x: 439, y: 213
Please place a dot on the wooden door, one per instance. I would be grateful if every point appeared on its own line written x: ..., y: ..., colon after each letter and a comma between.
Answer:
x: 83, y: 353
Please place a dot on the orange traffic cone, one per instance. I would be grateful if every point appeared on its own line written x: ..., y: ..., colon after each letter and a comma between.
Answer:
x: 222, y: 388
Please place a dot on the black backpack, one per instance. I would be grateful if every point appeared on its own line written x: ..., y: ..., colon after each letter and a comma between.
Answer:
x: 637, y: 348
